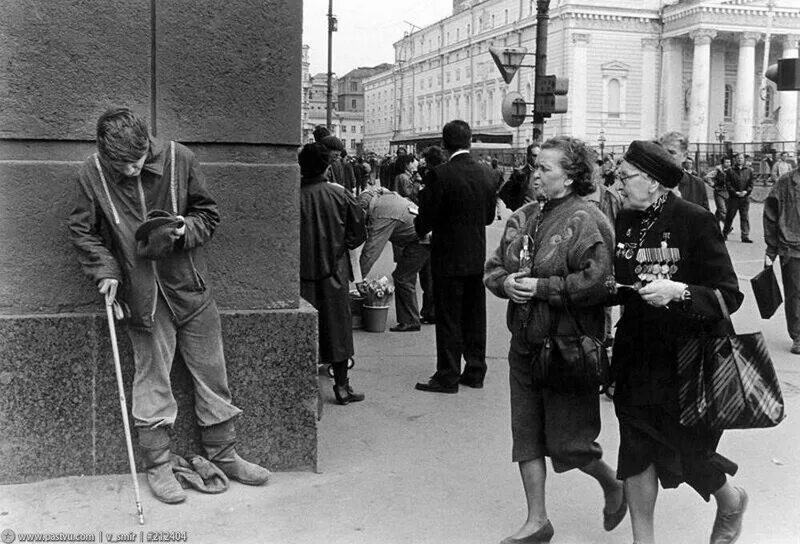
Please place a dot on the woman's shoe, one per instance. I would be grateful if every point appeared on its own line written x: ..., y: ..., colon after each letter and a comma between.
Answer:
x: 613, y: 519
x: 542, y: 535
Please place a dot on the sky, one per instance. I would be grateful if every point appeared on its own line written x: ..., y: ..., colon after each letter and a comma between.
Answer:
x: 367, y: 29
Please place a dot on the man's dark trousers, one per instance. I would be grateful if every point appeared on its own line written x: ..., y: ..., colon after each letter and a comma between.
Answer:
x: 739, y: 204
x: 412, y: 258
x: 460, y: 304
x: 790, y: 274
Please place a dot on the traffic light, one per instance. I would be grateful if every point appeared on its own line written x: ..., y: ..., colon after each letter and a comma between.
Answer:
x: 785, y: 74
x: 551, y: 95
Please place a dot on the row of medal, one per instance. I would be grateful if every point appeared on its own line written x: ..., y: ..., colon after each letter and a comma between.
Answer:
x: 656, y: 263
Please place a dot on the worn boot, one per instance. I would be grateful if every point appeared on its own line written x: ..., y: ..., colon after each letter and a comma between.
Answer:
x: 345, y: 395
x: 163, y: 484
x: 218, y: 441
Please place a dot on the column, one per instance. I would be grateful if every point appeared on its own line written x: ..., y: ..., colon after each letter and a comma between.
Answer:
x: 577, y: 86
x: 671, y: 78
x: 787, y: 120
x: 701, y: 73
x: 649, y: 91
x: 745, y: 85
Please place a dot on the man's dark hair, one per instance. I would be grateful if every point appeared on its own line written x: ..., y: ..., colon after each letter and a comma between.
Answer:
x: 320, y: 132
x: 456, y: 135
x: 434, y: 156
x: 122, y: 136
x: 577, y: 161
x: 404, y: 160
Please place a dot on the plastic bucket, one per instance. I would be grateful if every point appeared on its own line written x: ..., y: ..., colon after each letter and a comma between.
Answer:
x: 356, y: 305
x: 375, y: 318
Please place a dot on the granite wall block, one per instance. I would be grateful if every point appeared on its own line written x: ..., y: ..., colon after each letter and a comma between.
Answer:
x: 240, y: 82
x: 62, y: 63
x: 60, y: 410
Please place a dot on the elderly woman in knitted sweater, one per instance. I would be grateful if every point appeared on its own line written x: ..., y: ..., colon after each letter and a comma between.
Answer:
x: 571, y: 244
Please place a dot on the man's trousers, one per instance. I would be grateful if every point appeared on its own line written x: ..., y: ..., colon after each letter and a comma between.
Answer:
x: 200, y: 345
x: 460, y: 328
x: 739, y: 204
x: 790, y: 274
x: 410, y: 261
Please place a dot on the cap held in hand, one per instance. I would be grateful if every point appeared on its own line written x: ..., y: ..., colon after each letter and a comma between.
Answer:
x: 156, y: 237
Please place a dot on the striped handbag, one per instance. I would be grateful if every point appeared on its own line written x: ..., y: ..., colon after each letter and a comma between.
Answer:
x: 728, y: 382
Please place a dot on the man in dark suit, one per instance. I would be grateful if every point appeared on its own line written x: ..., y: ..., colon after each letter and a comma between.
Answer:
x: 456, y: 204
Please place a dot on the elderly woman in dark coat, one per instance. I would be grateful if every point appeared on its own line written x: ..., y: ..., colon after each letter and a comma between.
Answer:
x: 670, y: 258
x: 330, y: 223
x: 571, y: 243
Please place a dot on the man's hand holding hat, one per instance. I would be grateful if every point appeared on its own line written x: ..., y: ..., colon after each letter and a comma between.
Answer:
x: 156, y: 237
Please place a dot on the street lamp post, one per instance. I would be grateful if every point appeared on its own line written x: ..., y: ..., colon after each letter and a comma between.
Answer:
x: 721, y: 134
x: 601, y: 139
x: 332, y: 27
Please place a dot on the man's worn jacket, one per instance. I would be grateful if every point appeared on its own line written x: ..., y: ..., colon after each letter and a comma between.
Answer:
x: 108, y: 209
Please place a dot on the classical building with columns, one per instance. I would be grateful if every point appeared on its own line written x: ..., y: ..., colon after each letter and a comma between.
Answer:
x: 637, y: 68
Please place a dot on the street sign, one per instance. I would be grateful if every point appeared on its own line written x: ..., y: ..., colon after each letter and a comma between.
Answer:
x: 513, y: 109
x: 508, y: 60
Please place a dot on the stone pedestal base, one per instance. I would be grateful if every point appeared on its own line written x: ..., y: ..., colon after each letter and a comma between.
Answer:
x: 60, y: 412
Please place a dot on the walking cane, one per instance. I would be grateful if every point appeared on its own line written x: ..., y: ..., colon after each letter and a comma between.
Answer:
x: 123, y: 406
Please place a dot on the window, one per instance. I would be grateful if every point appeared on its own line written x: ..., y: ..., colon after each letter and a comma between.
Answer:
x: 728, y: 104
x: 353, y: 103
x: 615, y: 81
x: 457, y: 32
x: 506, y: 16
x: 458, y: 74
x: 344, y: 128
x: 354, y: 85
x: 613, y: 99
x: 447, y: 77
x: 353, y: 143
x: 362, y: 129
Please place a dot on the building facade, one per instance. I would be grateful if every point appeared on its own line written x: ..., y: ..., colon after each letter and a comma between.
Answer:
x: 347, y: 118
x: 636, y: 68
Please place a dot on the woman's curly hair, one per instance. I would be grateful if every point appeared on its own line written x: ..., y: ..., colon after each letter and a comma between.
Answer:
x: 577, y: 161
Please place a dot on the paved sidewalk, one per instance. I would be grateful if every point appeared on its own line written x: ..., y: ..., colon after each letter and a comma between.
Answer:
x: 410, y: 467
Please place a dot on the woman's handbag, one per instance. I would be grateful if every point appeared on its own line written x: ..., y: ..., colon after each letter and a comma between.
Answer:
x: 570, y: 362
x: 767, y: 292
x: 728, y: 382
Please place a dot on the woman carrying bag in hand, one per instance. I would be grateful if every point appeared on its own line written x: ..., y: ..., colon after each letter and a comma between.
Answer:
x: 672, y: 269
x: 551, y: 257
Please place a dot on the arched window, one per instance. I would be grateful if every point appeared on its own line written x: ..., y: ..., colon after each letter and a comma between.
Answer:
x: 613, y: 98
x: 727, y: 108
x: 491, y: 107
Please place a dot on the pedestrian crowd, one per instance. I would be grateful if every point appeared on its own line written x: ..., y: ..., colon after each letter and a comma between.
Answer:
x: 584, y: 235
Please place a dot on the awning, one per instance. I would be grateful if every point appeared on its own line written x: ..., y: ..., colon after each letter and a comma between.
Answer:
x: 425, y: 140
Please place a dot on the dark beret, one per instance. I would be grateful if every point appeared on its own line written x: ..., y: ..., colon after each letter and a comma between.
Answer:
x: 332, y: 143
x: 313, y: 159
x: 654, y: 160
